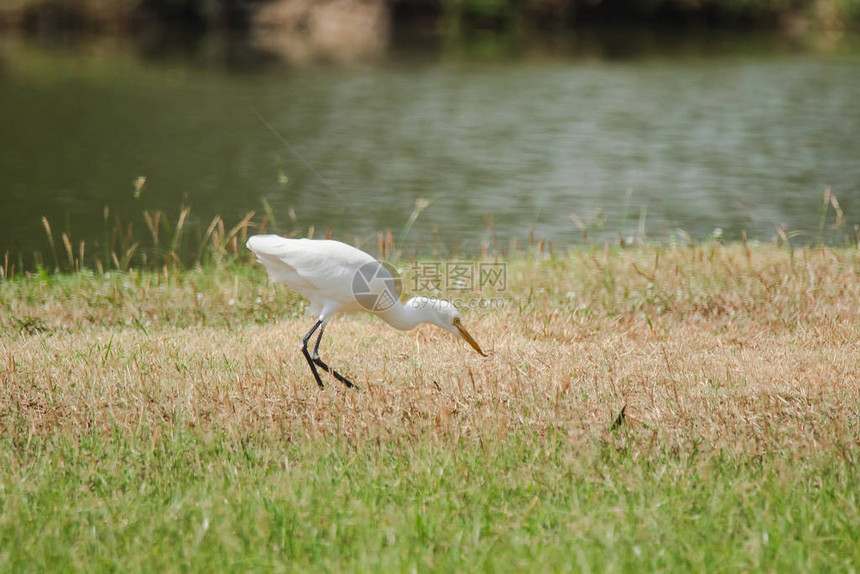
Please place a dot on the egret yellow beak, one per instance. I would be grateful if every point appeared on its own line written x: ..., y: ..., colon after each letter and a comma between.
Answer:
x: 465, y: 334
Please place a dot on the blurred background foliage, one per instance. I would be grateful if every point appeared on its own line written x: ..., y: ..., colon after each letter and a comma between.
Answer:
x: 788, y: 15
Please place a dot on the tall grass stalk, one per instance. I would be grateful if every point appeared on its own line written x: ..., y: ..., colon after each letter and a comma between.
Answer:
x: 152, y: 222
x: 47, y: 225
x: 176, y: 241
x: 270, y: 214
x: 420, y: 205
x: 106, y: 237
x: 828, y: 200
x: 188, y: 243
x: 70, y: 256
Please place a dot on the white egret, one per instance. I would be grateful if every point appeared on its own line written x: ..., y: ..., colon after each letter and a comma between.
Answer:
x: 338, y: 278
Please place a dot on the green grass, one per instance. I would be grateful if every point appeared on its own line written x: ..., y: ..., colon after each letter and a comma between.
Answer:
x: 202, y: 503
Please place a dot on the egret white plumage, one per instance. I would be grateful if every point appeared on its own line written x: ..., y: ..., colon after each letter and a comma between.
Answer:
x: 338, y: 278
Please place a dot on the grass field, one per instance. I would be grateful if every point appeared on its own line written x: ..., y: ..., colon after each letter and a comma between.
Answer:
x: 165, y: 421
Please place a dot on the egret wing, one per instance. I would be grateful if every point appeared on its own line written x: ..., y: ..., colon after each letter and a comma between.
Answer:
x: 320, y: 270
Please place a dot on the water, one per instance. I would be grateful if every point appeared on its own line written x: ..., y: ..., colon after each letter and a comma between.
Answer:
x: 499, y: 136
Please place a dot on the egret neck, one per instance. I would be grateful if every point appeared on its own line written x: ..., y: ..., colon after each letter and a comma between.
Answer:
x: 439, y: 312
x: 406, y: 316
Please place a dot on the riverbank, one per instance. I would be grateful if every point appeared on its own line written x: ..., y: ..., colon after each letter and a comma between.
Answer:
x: 657, y: 408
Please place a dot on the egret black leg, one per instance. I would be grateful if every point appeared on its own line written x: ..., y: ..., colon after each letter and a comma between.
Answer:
x: 307, y: 355
x: 316, y: 358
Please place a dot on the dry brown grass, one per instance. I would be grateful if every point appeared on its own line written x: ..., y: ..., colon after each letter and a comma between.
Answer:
x: 719, y: 350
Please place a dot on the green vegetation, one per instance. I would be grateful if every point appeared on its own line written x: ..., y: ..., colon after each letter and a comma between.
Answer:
x: 182, y: 501
x: 165, y: 420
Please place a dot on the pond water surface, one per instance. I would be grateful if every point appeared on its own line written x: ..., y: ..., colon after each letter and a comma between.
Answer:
x: 737, y: 134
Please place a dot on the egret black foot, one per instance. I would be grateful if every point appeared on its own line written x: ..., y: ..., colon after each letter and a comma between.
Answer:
x: 334, y: 373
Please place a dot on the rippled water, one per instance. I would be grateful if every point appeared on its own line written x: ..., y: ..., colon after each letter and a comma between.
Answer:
x: 737, y: 139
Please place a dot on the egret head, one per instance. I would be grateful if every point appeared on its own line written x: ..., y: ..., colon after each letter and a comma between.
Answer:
x: 444, y: 314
